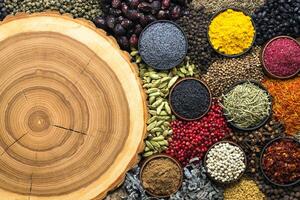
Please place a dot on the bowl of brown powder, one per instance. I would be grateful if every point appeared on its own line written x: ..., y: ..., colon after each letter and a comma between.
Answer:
x: 161, y: 175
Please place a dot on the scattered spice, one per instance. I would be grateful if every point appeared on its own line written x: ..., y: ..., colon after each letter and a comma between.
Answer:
x: 282, y: 57
x: 246, y: 105
x: 275, y: 18
x: 225, y: 162
x: 286, y: 98
x: 194, y: 24
x: 78, y: 8
x: 224, y: 72
x: 125, y: 19
x: 245, y: 189
x: 162, y: 45
x: 231, y: 32
x: 190, y: 99
x: 196, y: 185
x: 161, y: 176
x: 281, y: 161
x: 273, y: 192
x: 192, y: 139
x: 157, y: 85
x: 213, y: 6
x: 253, y: 142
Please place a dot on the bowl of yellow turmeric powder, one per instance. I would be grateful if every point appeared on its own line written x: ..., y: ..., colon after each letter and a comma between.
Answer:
x: 231, y: 32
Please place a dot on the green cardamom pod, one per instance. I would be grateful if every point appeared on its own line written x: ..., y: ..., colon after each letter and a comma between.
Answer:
x: 157, y: 102
x: 152, y: 112
x: 159, y: 123
x: 151, y: 100
x: 149, y: 144
x: 159, y: 108
x: 156, y: 129
x: 152, y: 119
x: 155, y: 94
x: 151, y: 126
x: 159, y: 138
x: 154, y: 76
x: 172, y: 81
x: 147, y: 154
x: 167, y: 108
x: 163, y: 85
x: 165, y: 79
x: 152, y: 90
x: 134, y: 53
x: 155, y: 144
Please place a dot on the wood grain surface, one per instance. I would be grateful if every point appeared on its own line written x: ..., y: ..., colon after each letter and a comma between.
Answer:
x: 72, y: 110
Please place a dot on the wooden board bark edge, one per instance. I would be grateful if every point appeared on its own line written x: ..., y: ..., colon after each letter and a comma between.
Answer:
x: 134, y: 68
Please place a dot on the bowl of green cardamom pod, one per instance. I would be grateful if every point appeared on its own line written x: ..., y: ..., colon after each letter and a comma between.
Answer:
x: 247, y: 105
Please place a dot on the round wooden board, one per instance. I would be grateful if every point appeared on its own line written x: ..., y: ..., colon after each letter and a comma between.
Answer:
x: 72, y: 110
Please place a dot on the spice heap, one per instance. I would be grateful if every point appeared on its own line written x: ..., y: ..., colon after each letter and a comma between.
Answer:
x: 157, y: 85
x: 126, y: 19
x: 225, y: 162
x: 213, y: 6
x: 245, y: 189
x: 78, y: 8
x: 277, y: 17
x: 286, y: 98
x: 190, y: 99
x: 253, y: 142
x: 282, y: 57
x: 192, y: 139
x: 246, y: 105
x: 225, y: 72
x: 231, y: 32
x: 278, y: 193
x: 162, y: 45
x: 3, y: 10
x: 281, y: 161
x: 194, y: 24
x: 161, y: 176
x: 196, y: 185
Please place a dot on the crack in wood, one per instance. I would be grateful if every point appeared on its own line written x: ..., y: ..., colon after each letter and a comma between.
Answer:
x: 69, y: 129
x: 6, y: 149
x: 25, y: 96
x: 84, y: 69
x: 30, y: 189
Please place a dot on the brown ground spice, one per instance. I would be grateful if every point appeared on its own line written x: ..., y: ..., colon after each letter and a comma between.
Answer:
x: 161, y: 176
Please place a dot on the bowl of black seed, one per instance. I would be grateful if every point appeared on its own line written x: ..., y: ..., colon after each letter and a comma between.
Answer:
x: 190, y: 99
x: 162, y: 45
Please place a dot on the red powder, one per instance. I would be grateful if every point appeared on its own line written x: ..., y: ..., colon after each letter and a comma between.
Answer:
x: 192, y: 139
x: 282, y: 57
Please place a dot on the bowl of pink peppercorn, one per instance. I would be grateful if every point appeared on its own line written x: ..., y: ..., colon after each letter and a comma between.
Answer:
x: 280, y: 57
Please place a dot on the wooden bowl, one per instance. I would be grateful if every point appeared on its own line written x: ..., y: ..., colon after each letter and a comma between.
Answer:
x: 210, y: 99
x: 261, y: 160
x: 263, y: 122
x: 156, y: 157
x: 254, y: 37
x: 262, y: 60
x: 73, y: 112
x: 228, y: 182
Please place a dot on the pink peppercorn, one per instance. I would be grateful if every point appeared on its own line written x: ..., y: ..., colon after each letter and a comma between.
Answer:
x: 192, y: 139
x: 282, y: 57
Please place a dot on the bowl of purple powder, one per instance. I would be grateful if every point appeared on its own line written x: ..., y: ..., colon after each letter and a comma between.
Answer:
x: 281, y: 57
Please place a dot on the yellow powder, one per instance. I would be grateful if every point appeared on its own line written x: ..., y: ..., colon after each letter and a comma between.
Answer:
x: 231, y: 32
x: 245, y: 189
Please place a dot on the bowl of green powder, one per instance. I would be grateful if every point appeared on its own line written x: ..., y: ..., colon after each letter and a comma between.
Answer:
x: 247, y: 105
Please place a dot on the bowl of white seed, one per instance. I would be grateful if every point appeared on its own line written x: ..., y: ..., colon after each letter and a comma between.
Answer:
x: 225, y: 162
